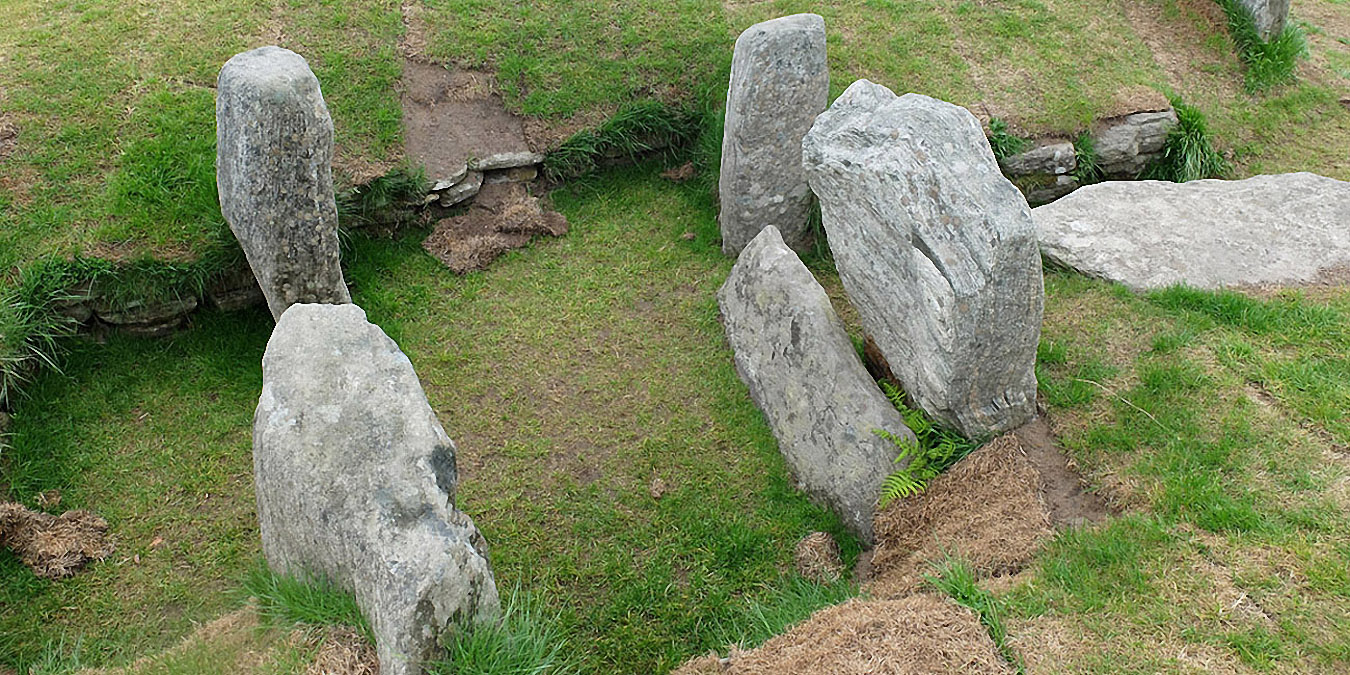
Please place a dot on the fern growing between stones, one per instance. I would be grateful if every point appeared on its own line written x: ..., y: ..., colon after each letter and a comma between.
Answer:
x: 937, y: 448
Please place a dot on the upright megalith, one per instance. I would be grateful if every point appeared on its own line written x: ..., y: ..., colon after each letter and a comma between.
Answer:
x: 1269, y: 16
x: 936, y: 249
x: 804, y: 374
x: 356, y: 479
x: 779, y: 83
x: 274, y: 157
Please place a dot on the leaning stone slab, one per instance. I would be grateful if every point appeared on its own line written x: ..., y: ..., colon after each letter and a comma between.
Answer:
x: 355, y: 482
x: 1280, y: 229
x: 1269, y: 16
x: 1125, y: 145
x: 804, y: 374
x: 937, y: 251
x: 779, y: 83
x: 464, y: 190
x: 274, y: 173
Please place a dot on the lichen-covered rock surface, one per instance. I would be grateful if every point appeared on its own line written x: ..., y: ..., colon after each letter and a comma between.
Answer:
x: 937, y: 251
x: 802, y: 371
x: 1277, y: 229
x: 274, y: 152
x: 779, y: 83
x: 355, y: 482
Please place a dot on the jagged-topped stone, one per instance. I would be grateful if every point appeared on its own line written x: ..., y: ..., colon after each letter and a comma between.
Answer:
x: 937, y: 251
x: 356, y: 479
x: 779, y: 83
x: 1270, y: 16
x: 274, y: 174
x: 1280, y: 229
x: 1126, y: 145
x: 803, y: 373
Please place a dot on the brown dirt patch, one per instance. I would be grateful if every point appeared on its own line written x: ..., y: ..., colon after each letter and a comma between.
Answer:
x: 235, y: 634
x: 1061, y: 485
x: 450, y: 116
x: 54, y: 547
x: 503, y: 217
x: 917, y: 634
x: 1178, y: 44
x: 1330, y: 283
x: 1136, y: 99
x: 9, y: 136
x: 817, y: 558
x: 987, y: 509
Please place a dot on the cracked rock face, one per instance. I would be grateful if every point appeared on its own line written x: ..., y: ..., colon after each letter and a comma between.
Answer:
x: 1269, y: 16
x: 356, y: 481
x: 936, y: 249
x: 274, y: 174
x: 779, y: 83
x: 802, y: 371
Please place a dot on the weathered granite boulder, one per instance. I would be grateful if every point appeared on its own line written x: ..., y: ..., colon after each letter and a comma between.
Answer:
x: 1280, y: 229
x: 274, y: 174
x: 779, y: 83
x: 1269, y: 16
x: 804, y: 374
x: 1126, y: 145
x: 937, y: 251
x: 355, y: 482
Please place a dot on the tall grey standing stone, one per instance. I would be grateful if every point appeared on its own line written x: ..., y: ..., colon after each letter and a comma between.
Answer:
x: 1269, y: 16
x: 936, y: 249
x: 274, y: 173
x: 804, y: 374
x: 779, y: 83
x: 356, y: 479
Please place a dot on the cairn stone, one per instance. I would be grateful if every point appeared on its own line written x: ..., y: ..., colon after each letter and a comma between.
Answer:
x: 936, y: 249
x: 779, y: 83
x: 1266, y: 230
x: 1269, y: 16
x: 274, y: 173
x: 802, y: 371
x: 356, y: 479
x: 1126, y: 145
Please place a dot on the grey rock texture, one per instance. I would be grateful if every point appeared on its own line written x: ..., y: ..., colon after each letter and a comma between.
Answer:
x: 274, y: 173
x: 1279, y: 229
x: 779, y: 83
x: 803, y: 373
x: 451, y: 174
x: 1270, y: 16
x: 464, y: 190
x: 1055, y: 159
x: 504, y: 160
x: 937, y: 251
x: 355, y: 482
x: 1125, y: 145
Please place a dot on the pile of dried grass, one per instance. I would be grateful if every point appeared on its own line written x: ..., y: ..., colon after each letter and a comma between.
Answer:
x: 917, y: 634
x: 987, y: 509
x: 54, y: 546
x: 343, y: 651
x: 817, y: 557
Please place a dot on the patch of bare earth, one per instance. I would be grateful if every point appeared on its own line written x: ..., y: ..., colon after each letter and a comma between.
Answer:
x: 503, y: 217
x: 1331, y: 22
x: 1177, y: 41
x: 916, y: 634
x: 234, y: 636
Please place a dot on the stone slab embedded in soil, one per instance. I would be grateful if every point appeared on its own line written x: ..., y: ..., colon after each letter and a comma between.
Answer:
x: 504, y: 216
x: 936, y: 249
x: 1269, y: 16
x: 462, y: 191
x: 1126, y: 145
x: 505, y: 160
x: 802, y: 371
x: 274, y: 173
x: 1055, y: 159
x: 779, y: 83
x: 148, y: 319
x: 449, y: 177
x: 1276, y: 229
x: 356, y: 479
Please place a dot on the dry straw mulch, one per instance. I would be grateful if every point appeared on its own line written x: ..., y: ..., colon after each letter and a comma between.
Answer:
x: 987, y: 509
x: 343, y: 651
x: 54, y: 547
x: 918, y: 634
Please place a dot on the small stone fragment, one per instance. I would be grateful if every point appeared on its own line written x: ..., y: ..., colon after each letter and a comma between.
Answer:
x: 274, y: 172
x: 450, y: 178
x: 779, y: 83
x: 465, y: 189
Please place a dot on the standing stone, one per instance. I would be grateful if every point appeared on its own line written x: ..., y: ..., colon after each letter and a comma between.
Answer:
x: 356, y: 479
x: 804, y: 374
x: 274, y: 173
x: 779, y: 83
x: 1268, y: 15
x: 936, y: 249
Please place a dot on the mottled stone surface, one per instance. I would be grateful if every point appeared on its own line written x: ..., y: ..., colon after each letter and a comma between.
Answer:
x: 1279, y: 229
x: 274, y: 173
x: 1126, y: 145
x: 356, y: 479
x: 1269, y: 16
x: 464, y: 190
x: 804, y: 374
x: 504, y: 160
x: 1055, y: 159
x: 937, y: 251
x: 779, y: 83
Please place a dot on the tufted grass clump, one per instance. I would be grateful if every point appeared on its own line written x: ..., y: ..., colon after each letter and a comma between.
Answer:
x: 955, y: 577
x: 525, y: 640
x: 288, y: 600
x: 1003, y: 142
x: 1269, y: 64
x: 1087, y: 166
x: 1188, y: 154
x: 633, y: 131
